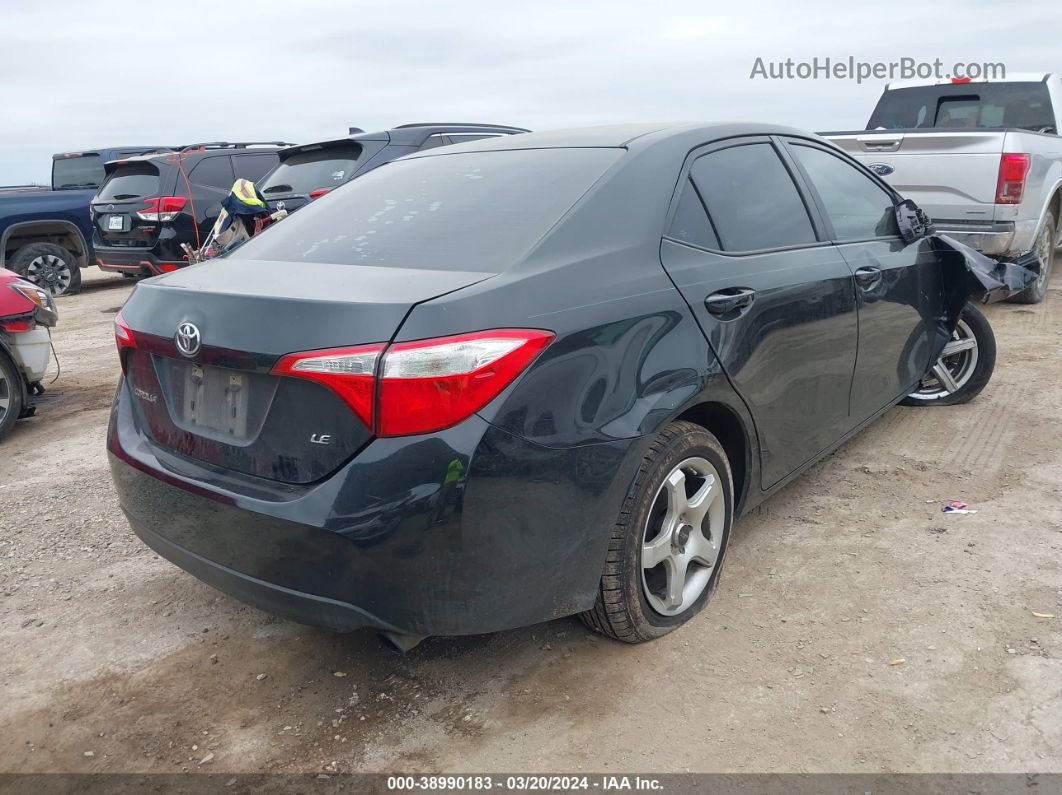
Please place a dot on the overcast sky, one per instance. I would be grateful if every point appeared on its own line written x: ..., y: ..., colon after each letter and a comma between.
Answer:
x: 80, y: 74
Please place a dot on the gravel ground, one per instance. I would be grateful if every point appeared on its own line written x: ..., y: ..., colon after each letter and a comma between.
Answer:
x: 856, y: 628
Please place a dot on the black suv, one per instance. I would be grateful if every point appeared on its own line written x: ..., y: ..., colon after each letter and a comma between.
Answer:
x: 150, y: 204
x: 309, y: 170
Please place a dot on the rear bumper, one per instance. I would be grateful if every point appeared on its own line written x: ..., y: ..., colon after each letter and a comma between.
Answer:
x: 299, y: 606
x: 125, y: 259
x: 465, y: 531
x: 996, y: 239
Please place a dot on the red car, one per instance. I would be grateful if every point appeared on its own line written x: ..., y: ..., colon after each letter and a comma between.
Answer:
x: 26, y: 314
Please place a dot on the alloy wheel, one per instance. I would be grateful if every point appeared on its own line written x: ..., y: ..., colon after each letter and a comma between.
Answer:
x: 50, y: 273
x: 682, y: 540
x: 954, y: 368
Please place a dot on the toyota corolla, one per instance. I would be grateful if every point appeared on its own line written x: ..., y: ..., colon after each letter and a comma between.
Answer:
x: 508, y: 381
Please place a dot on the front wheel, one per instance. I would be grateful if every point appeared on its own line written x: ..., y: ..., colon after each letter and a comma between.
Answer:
x: 668, y: 543
x: 964, y: 367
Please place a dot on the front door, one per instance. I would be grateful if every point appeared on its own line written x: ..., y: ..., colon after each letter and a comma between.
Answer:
x: 898, y: 284
x: 775, y: 301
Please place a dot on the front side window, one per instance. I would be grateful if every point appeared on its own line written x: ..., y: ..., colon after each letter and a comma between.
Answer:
x: 753, y: 202
x: 858, y: 207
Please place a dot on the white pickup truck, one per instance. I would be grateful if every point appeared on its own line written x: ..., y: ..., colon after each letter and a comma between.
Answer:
x: 984, y: 160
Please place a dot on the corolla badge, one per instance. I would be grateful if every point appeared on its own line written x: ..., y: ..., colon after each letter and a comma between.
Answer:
x: 188, y: 339
x: 881, y: 169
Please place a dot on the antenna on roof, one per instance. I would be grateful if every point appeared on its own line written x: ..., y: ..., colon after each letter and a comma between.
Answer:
x: 354, y: 130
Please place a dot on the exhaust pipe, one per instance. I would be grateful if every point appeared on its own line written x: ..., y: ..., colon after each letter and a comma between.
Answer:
x: 400, y: 642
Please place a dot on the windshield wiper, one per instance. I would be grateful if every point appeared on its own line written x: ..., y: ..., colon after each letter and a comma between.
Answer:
x: 120, y: 196
x: 78, y: 185
x: 278, y: 189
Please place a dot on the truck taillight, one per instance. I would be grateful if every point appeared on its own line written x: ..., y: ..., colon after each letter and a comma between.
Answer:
x: 422, y: 386
x: 1013, y: 170
x: 162, y: 208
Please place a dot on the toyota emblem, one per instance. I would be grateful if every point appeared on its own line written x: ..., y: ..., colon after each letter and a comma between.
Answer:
x: 188, y: 339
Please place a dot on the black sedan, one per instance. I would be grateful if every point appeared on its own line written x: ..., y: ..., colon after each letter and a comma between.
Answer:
x: 501, y: 382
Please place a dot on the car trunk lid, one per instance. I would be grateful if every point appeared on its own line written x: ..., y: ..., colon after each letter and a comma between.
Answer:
x: 220, y: 404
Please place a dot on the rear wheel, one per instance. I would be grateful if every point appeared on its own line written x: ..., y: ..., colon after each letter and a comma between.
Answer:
x: 1045, y: 252
x: 965, y: 365
x: 10, y: 394
x: 50, y: 267
x: 668, y: 543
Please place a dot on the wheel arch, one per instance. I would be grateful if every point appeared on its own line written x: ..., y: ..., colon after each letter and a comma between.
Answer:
x: 727, y: 426
x: 57, y: 231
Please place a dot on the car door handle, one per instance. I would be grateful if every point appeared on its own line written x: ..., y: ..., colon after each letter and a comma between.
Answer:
x: 725, y: 302
x: 867, y: 277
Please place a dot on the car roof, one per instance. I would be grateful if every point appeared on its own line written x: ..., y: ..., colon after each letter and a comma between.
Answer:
x: 622, y: 135
x: 413, y: 134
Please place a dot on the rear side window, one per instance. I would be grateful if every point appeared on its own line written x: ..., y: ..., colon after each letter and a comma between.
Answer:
x: 213, y: 172
x: 308, y: 170
x: 1025, y: 106
x: 858, y: 207
x: 471, y: 211
x: 752, y: 200
x: 252, y: 167
x: 691, y: 224
x: 81, y: 171
x: 130, y: 181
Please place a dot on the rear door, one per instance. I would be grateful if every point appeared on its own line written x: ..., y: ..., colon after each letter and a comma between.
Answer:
x: 211, y: 179
x: 775, y: 300
x: 898, y: 285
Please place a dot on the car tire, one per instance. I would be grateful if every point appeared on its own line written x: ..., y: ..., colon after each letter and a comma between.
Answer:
x: 970, y: 366
x: 50, y: 267
x: 632, y: 602
x: 10, y: 394
x: 1045, y: 247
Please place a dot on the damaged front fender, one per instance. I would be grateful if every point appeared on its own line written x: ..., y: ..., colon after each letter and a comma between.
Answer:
x: 969, y: 275
x: 979, y: 277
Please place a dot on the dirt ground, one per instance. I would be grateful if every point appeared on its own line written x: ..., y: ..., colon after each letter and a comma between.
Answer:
x: 115, y: 660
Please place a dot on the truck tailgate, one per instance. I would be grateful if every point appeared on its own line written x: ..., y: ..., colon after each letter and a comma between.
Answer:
x: 950, y: 174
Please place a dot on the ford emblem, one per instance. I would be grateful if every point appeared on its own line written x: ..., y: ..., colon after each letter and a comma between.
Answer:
x: 881, y: 169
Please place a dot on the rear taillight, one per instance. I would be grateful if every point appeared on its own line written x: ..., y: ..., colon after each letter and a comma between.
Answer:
x: 124, y: 339
x: 349, y: 372
x: 164, y: 208
x: 123, y: 335
x: 317, y: 194
x: 1013, y: 170
x: 423, y: 386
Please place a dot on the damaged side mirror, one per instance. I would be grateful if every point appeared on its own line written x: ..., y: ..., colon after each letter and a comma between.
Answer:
x: 913, y: 222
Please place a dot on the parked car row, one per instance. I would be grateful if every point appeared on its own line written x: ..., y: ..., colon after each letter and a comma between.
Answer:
x: 132, y: 209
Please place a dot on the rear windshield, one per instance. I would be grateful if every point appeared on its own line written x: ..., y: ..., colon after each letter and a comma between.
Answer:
x: 305, y: 171
x: 468, y: 211
x: 1025, y: 106
x: 130, y: 181
x: 82, y: 171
